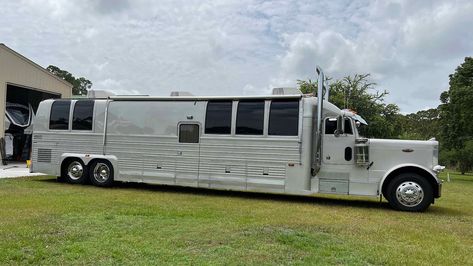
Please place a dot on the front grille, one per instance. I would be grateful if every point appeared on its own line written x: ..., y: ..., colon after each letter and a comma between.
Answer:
x: 362, y: 154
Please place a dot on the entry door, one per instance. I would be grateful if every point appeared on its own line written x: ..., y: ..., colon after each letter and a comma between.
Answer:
x: 187, y: 155
x: 338, y: 149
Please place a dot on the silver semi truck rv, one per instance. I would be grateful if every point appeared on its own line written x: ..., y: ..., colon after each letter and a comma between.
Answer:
x: 281, y: 143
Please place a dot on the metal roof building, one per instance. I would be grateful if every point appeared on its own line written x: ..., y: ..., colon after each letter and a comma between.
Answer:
x: 24, y: 83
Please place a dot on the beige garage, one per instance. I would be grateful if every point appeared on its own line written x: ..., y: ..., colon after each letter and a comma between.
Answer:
x: 23, y: 84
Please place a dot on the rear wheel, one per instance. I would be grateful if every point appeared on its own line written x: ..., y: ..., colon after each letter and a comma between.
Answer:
x: 410, y: 192
x: 74, y: 171
x: 101, y: 173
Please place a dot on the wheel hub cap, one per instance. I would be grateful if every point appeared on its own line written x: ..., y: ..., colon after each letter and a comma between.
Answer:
x: 75, y: 170
x: 409, y: 194
x: 101, y: 172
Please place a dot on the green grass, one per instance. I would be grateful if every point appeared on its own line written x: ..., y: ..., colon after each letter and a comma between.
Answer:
x: 46, y: 222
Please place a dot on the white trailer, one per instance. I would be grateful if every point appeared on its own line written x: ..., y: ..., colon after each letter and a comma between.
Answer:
x: 284, y: 143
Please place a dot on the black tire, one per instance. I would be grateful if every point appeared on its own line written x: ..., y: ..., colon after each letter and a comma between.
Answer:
x: 409, y: 192
x: 101, y: 173
x: 74, y: 171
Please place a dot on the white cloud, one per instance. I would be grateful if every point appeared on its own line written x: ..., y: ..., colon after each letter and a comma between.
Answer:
x: 409, y: 51
x: 441, y: 32
x: 114, y: 86
x: 235, y: 47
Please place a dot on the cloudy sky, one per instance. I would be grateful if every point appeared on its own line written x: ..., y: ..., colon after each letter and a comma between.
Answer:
x: 245, y: 46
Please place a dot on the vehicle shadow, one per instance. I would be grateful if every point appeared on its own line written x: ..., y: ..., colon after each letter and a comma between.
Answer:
x: 320, y: 199
x: 323, y: 199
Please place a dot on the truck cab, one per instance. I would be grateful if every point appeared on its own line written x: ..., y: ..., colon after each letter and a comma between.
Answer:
x: 403, y: 171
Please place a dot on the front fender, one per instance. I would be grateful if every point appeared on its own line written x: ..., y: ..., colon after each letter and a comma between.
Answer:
x: 406, y: 165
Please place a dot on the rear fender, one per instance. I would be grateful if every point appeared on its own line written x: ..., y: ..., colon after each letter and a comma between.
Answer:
x: 87, y: 158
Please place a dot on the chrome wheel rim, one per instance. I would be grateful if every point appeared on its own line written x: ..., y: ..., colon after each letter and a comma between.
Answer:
x: 101, y: 172
x: 75, y: 170
x: 409, y: 194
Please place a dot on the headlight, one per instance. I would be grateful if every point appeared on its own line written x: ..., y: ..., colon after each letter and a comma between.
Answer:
x: 438, y: 168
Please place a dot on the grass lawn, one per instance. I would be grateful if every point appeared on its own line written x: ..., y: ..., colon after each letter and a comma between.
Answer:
x: 46, y: 222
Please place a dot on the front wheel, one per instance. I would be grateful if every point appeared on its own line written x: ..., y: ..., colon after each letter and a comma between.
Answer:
x: 410, y: 192
x: 101, y: 173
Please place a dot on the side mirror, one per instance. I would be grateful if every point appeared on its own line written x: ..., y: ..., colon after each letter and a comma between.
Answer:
x: 340, y: 125
x: 358, y: 123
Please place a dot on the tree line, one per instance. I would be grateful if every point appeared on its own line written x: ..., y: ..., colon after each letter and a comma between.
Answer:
x: 80, y: 86
x: 451, y: 122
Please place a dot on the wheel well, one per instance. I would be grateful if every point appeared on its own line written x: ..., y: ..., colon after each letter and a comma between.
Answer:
x: 100, y: 160
x: 68, y: 160
x: 411, y: 169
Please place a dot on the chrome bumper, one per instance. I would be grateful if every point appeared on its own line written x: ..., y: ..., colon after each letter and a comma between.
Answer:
x: 439, y: 194
x: 437, y: 169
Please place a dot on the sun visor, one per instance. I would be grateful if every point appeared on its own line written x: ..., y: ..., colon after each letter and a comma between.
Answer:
x: 360, y: 119
x: 354, y: 115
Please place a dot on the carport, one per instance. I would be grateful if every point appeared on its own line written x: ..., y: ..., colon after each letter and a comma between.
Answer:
x: 23, y: 85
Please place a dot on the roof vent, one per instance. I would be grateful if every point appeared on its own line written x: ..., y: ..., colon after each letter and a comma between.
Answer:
x: 181, y: 93
x: 99, y: 93
x: 286, y: 91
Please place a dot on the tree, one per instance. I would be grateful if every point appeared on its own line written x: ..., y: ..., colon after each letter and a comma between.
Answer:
x: 424, y: 124
x: 456, y: 118
x: 465, y: 157
x: 307, y: 86
x: 360, y: 95
x: 80, y: 86
x: 456, y: 109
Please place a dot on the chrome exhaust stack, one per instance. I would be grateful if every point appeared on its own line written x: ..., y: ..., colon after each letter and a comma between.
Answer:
x: 327, y: 90
x: 318, y: 129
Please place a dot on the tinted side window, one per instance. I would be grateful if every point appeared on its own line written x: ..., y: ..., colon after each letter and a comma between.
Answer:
x: 250, y: 118
x: 82, y: 115
x: 284, y: 118
x: 59, y: 118
x: 330, y: 126
x: 189, y: 133
x: 218, y: 119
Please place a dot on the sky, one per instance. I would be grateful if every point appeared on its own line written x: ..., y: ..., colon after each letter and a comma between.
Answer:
x: 245, y: 47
